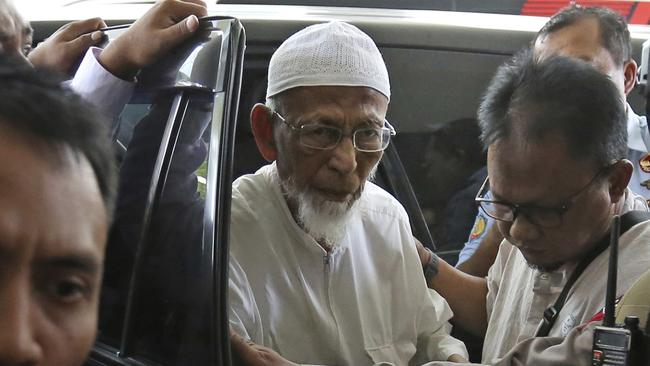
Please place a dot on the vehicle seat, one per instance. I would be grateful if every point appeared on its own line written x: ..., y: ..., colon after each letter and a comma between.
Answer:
x: 636, y: 301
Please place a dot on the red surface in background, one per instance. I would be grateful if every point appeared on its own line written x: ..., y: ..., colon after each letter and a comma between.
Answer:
x: 635, y: 12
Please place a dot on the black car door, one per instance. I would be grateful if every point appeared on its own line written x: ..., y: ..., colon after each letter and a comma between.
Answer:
x: 163, y: 298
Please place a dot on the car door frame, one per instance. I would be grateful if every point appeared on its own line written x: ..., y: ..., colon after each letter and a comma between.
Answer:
x: 225, y: 85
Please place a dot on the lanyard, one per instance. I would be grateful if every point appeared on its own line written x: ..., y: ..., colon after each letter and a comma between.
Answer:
x: 551, y: 313
x: 628, y: 220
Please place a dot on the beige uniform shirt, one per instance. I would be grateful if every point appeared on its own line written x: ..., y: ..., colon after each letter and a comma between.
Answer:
x: 518, y: 294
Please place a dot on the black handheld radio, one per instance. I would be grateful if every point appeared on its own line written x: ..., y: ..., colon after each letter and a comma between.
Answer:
x: 617, y: 344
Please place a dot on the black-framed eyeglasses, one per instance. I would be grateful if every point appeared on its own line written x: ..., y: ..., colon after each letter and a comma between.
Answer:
x: 323, y: 137
x: 543, y: 216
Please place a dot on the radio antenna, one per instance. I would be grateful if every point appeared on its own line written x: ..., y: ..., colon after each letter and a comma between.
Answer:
x: 610, y: 297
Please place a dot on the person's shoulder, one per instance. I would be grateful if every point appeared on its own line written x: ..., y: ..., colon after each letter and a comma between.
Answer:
x: 250, y: 184
x: 251, y: 189
x: 373, y: 190
x: 639, y: 233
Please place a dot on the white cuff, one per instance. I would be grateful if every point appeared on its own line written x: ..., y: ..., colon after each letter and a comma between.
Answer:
x: 101, y: 88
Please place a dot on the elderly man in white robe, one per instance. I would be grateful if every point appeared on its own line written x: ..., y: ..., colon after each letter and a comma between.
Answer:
x: 323, y: 265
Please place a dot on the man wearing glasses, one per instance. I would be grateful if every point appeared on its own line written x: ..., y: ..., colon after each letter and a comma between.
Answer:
x: 328, y: 256
x: 599, y: 36
x: 556, y: 134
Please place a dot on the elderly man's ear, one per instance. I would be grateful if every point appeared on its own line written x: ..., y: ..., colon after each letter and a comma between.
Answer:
x: 619, y: 178
x: 262, y: 125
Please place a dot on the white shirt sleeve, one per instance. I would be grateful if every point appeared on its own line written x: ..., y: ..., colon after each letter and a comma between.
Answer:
x: 101, y: 88
x: 244, y: 315
x: 494, y: 277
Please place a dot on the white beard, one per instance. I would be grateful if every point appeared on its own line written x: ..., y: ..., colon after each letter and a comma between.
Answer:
x: 324, y: 220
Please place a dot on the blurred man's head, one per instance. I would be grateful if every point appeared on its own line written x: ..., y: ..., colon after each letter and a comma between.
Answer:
x: 598, y: 36
x: 556, y: 135
x: 324, y: 122
x: 56, y: 198
x: 15, y: 31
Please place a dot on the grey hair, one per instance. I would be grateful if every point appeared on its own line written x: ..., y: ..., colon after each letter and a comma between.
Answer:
x: 275, y: 103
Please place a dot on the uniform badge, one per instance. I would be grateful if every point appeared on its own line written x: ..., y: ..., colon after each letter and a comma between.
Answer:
x: 568, y: 324
x: 644, y: 163
x: 479, y: 228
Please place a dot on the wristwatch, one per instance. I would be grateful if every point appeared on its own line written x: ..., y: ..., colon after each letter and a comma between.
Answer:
x: 431, y: 267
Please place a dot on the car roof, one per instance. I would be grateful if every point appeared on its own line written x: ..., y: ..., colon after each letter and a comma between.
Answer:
x: 412, y: 28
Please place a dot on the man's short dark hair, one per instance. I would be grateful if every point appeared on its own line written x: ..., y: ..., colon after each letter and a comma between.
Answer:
x: 556, y: 95
x: 34, y: 104
x: 615, y: 36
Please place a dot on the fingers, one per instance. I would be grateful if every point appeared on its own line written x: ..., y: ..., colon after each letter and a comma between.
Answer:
x: 177, y: 10
x: 82, y: 43
x: 182, y: 17
x: 181, y: 30
x: 242, y: 349
x: 240, y: 343
x: 164, y: 26
x: 198, y: 2
x: 75, y: 29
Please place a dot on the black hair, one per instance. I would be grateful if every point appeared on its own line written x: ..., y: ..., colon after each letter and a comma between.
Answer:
x: 556, y: 95
x: 34, y: 103
x: 615, y: 36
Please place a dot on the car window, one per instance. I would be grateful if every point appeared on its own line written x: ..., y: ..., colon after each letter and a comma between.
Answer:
x: 127, y: 225
x: 154, y: 297
x: 434, y: 110
x: 171, y: 308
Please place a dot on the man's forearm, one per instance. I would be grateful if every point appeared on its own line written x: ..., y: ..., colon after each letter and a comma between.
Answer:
x: 475, y: 266
x: 466, y: 296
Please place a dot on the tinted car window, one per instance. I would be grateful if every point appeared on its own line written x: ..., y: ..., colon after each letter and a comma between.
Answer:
x: 434, y: 110
x: 158, y: 230
x: 172, y: 307
x: 127, y: 225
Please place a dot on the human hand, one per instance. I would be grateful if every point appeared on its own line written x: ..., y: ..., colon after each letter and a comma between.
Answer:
x: 165, y: 25
x: 251, y: 354
x: 62, y: 49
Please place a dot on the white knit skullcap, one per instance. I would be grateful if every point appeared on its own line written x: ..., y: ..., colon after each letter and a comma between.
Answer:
x: 333, y: 54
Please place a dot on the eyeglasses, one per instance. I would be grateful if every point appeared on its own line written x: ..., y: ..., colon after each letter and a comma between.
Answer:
x: 322, y: 137
x: 546, y: 217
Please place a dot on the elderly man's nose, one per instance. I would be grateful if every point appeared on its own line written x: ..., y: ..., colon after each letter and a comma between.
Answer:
x: 344, y: 156
x: 18, y: 343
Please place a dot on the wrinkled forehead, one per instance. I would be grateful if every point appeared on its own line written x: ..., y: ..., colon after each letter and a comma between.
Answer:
x: 336, y: 103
